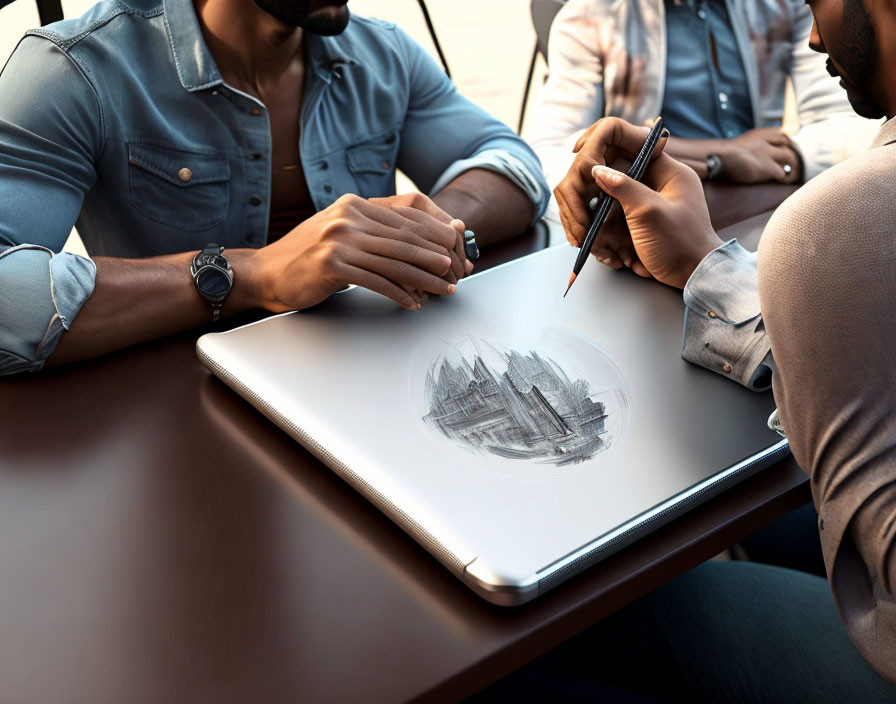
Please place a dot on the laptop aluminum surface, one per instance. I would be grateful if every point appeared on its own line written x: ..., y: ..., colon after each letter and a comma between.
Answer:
x: 518, y: 436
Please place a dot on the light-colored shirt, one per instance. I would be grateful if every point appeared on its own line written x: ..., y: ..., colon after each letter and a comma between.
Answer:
x: 120, y: 121
x: 609, y: 57
x: 723, y: 327
x: 706, y: 95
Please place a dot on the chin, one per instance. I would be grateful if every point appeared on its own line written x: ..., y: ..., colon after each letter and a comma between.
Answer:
x: 864, y: 106
x: 328, y: 21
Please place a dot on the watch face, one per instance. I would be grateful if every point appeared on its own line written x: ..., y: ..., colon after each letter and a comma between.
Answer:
x: 213, y: 283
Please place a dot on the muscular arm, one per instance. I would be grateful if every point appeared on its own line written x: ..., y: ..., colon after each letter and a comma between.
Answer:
x: 470, y: 163
x: 488, y: 203
x: 392, y: 248
x: 135, y: 300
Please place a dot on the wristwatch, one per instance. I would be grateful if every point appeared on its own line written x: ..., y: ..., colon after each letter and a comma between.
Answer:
x: 713, y: 166
x: 212, y: 277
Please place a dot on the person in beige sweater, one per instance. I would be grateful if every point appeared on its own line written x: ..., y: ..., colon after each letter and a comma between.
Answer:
x: 817, y: 317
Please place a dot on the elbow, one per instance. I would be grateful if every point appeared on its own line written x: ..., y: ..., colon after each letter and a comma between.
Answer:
x: 12, y: 364
x: 43, y: 293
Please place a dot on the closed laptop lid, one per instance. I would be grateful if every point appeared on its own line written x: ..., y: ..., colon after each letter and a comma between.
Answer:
x: 517, y: 435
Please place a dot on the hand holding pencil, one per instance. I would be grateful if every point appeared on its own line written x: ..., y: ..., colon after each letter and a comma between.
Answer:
x: 602, y: 205
x: 665, y: 230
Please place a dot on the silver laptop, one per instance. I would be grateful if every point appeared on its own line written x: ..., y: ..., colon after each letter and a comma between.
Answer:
x: 518, y: 436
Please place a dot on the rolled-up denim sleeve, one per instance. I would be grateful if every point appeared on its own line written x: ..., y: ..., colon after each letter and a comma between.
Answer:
x: 444, y: 135
x: 42, y: 294
x: 723, y: 327
x: 50, y: 132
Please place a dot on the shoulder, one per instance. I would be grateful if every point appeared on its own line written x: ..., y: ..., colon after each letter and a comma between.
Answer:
x: 846, y: 215
x: 369, y: 32
x: 371, y: 42
x: 68, y: 32
x: 40, y: 70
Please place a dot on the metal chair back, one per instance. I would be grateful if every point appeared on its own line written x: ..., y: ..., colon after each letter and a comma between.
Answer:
x: 543, y: 14
x: 48, y: 10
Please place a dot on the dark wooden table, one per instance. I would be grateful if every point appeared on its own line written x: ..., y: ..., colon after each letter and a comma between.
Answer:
x: 160, y: 541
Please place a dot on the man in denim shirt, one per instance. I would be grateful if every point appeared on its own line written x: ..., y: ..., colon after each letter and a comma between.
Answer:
x: 159, y: 126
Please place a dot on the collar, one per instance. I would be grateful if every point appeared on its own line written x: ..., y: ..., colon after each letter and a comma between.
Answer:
x: 195, y: 66
x: 886, y: 134
x: 197, y: 69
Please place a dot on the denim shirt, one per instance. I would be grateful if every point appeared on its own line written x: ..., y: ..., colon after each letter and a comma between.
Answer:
x: 120, y: 121
x: 706, y: 94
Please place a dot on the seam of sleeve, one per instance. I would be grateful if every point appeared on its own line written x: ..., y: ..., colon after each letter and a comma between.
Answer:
x: 63, y: 47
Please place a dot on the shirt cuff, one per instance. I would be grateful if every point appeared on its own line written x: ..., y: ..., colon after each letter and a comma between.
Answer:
x: 723, y: 327
x: 506, y: 164
x: 48, y: 292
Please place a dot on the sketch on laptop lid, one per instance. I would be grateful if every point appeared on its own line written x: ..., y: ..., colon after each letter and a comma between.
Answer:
x: 555, y: 399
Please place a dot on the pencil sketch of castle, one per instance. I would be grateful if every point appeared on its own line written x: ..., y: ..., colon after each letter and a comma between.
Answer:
x: 531, y: 410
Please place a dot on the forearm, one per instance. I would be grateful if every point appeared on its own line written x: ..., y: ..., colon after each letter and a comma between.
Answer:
x: 135, y: 300
x: 693, y: 152
x: 488, y: 203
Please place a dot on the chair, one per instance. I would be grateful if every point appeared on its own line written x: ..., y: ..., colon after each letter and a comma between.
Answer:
x: 432, y: 33
x: 543, y: 14
x: 48, y: 10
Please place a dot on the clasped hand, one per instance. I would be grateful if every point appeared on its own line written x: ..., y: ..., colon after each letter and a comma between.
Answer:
x: 662, y: 229
x: 402, y: 247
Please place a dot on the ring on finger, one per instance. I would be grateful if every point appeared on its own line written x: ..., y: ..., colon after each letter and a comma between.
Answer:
x: 787, y: 169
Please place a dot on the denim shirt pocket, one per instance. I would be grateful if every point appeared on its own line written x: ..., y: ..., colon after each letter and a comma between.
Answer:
x: 183, y: 190
x: 372, y: 164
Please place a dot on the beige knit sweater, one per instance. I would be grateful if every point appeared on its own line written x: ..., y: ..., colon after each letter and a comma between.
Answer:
x: 827, y: 285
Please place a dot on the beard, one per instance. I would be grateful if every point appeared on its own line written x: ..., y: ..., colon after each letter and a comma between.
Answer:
x: 328, y: 20
x: 855, y: 57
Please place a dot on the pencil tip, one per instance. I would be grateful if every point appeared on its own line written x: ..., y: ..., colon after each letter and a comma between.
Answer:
x: 572, y: 278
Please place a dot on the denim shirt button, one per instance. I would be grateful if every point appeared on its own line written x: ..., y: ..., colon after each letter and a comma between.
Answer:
x: 185, y: 175
x: 324, y: 166
x: 726, y: 368
x: 255, y: 157
x: 255, y: 200
x: 256, y: 111
x: 328, y: 188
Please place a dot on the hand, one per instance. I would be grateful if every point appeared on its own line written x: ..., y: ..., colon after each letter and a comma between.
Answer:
x: 759, y: 156
x: 460, y: 265
x: 613, y: 142
x: 392, y: 246
x: 666, y: 217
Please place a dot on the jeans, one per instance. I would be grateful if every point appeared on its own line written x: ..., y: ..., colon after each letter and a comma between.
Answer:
x: 723, y: 632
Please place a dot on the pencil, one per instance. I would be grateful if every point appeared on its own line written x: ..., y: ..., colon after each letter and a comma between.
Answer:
x: 636, y: 171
